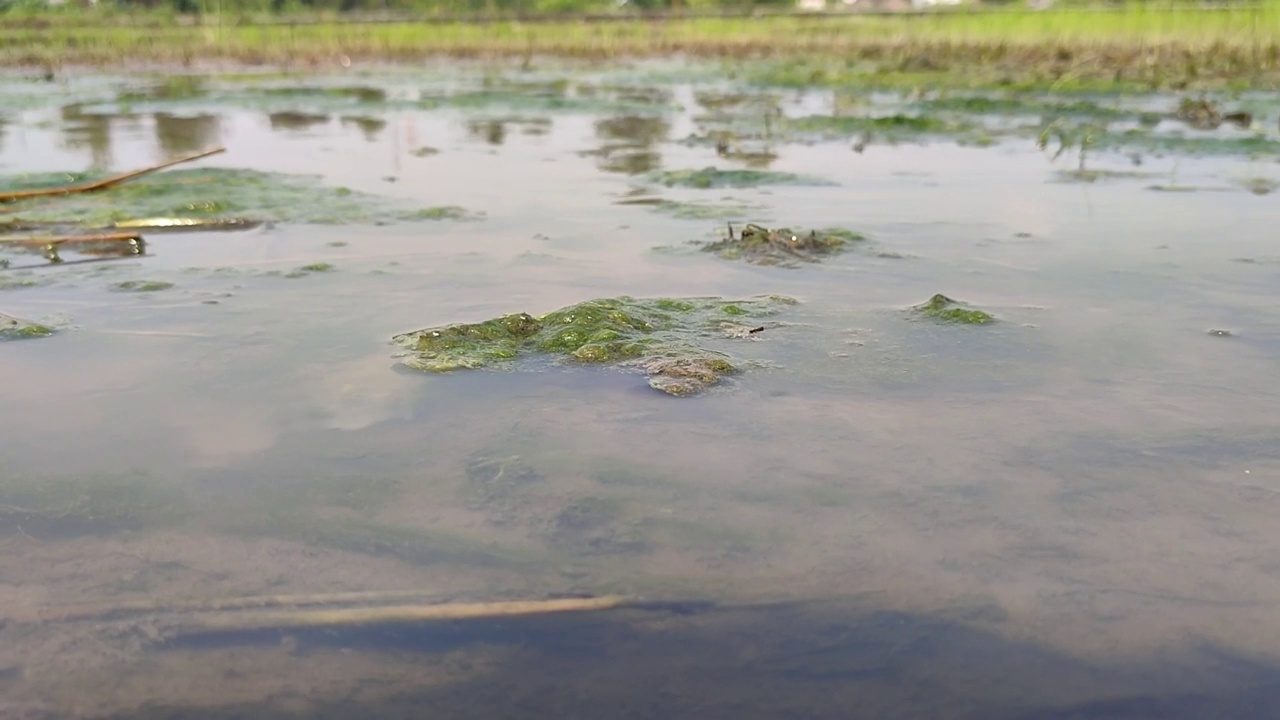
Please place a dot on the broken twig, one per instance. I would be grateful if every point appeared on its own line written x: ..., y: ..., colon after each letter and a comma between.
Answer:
x: 104, y: 183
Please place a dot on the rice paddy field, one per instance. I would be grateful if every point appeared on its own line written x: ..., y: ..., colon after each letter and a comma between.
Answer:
x: 886, y: 367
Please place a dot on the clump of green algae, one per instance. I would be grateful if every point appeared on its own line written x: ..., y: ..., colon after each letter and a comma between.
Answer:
x: 142, y: 286
x: 12, y: 328
x: 664, y: 338
x: 782, y: 247
x: 944, y: 309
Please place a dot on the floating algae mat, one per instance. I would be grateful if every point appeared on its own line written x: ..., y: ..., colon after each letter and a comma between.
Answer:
x: 12, y: 328
x: 943, y: 309
x: 666, y: 339
x: 712, y: 177
x: 206, y: 193
x: 782, y: 247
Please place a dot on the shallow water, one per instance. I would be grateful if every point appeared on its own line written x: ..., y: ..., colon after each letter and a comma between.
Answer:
x: 1070, y: 513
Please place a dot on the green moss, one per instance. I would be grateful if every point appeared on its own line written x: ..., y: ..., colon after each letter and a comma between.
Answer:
x: 668, y: 339
x: 142, y: 286
x: 944, y: 309
x: 318, y: 267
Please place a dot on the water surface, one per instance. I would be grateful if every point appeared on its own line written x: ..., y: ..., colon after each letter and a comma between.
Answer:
x: 1070, y: 513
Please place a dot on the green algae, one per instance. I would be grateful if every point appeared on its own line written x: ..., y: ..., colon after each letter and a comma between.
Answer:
x: 891, y: 126
x: 1025, y: 104
x: 944, y: 309
x: 63, y: 507
x: 782, y: 247
x: 712, y: 177
x: 142, y: 286
x: 206, y: 194
x: 667, y: 339
x: 11, y: 282
x: 444, y: 212
x: 12, y: 328
x: 305, y: 270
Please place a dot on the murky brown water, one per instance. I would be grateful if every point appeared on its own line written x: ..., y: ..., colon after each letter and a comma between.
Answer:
x: 1071, y: 513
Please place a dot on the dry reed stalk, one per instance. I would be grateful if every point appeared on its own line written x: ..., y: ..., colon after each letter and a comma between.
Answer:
x: 105, y: 183
x: 338, y: 617
x: 73, y: 239
x: 101, y: 611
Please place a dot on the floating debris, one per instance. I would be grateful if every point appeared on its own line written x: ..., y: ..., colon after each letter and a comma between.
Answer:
x: 665, y: 338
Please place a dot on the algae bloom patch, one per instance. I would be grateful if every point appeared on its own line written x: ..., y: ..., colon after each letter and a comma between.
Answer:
x: 944, y: 309
x: 12, y: 328
x: 670, y: 340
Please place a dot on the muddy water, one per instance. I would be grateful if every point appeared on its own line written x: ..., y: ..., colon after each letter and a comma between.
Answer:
x: 1070, y: 513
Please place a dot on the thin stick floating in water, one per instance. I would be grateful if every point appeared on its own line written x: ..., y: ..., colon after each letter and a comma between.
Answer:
x: 104, y: 183
x: 72, y: 239
x: 338, y: 617
x: 99, y: 611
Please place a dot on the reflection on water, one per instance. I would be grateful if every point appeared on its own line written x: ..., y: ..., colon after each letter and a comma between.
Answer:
x: 296, y: 121
x: 88, y: 131
x: 492, y: 132
x: 1068, y: 514
x: 629, y: 144
x: 371, y: 127
x: 184, y: 135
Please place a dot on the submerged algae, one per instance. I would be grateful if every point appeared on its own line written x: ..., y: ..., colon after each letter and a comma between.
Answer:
x: 712, y: 177
x: 205, y: 194
x: 664, y: 338
x: 944, y: 309
x: 142, y: 285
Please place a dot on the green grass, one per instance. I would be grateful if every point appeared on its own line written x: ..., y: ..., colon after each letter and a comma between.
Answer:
x: 1077, y: 41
